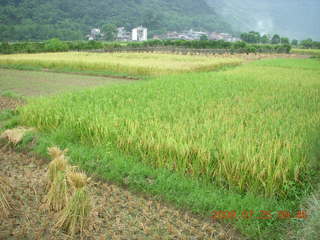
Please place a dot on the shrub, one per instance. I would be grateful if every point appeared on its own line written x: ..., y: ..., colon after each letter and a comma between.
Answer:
x: 55, y: 45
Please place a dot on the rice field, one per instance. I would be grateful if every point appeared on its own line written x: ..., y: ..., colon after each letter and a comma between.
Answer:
x: 252, y: 129
x: 313, y: 52
x: 138, y: 64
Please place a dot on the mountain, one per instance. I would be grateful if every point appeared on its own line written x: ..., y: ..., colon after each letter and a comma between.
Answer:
x: 293, y: 18
x: 72, y: 19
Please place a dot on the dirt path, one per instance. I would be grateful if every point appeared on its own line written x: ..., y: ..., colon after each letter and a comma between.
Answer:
x: 117, y: 213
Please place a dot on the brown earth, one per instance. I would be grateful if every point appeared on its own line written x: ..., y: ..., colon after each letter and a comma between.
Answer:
x: 9, y: 103
x: 117, y: 213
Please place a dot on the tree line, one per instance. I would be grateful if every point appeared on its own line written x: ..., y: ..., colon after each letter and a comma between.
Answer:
x: 257, y: 38
x: 56, y: 45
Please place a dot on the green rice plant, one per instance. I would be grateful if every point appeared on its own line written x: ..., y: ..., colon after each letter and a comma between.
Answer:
x: 74, y: 217
x: 251, y: 129
x: 140, y: 64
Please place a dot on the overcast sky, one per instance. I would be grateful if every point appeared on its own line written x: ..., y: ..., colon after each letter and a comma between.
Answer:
x: 293, y: 18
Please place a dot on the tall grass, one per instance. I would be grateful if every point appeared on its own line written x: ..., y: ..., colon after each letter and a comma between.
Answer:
x: 252, y: 128
x: 141, y: 64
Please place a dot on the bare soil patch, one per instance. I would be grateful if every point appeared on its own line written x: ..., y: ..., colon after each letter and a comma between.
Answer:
x: 9, y: 103
x: 35, y: 83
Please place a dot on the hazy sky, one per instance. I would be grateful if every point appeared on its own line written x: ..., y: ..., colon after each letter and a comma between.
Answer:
x: 294, y: 18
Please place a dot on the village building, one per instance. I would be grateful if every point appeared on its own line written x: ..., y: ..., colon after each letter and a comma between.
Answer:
x: 194, y: 35
x: 223, y: 36
x: 95, y: 34
x: 139, y: 34
x: 185, y: 35
x: 123, y: 35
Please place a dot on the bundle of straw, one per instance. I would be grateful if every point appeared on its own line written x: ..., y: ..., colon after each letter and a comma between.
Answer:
x: 68, y: 193
x: 4, y: 198
x: 75, y: 216
x: 15, y: 135
x: 57, y: 196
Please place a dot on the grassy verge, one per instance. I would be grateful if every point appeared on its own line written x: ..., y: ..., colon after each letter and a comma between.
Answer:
x: 11, y: 94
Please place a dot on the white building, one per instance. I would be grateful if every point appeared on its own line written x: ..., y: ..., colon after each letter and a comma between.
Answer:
x: 95, y: 31
x: 95, y: 34
x: 140, y: 34
x: 123, y: 35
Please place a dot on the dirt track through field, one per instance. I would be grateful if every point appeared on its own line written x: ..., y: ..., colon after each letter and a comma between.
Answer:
x: 117, y: 213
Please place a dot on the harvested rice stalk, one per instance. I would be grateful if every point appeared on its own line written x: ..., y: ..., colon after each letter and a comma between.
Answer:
x: 15, y: 135
x: 58, y: 194
x: 56, y: 152
x: 77, y: 179
x: 75, y: 216
x: 4, y: 196
x: 59, y: 163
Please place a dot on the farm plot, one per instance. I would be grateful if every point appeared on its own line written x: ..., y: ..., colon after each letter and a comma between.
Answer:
x: 252, y: 129
x: 138, y: 64
x: 237, y: 140
x: 312, y: 52
x: 32, y: 83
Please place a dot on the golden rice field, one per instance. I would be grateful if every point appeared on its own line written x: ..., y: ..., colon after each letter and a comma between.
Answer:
x: 140, y: 64
x: 242, y: 139
x: 253, y: 128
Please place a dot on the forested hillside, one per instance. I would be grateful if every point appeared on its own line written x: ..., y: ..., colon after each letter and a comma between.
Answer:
x: 72, y: 19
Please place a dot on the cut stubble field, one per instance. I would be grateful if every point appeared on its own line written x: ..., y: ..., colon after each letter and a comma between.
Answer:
x: 240, y: 139
x: 35, y: 83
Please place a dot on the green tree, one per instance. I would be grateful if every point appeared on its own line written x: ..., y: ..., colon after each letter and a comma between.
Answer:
x: 265, y: 39
x: 284, y: 40
x: 55, y: 45
x: 151, y: 20
x: 110, y: 32
x: 203, y: 37
x: 307, y: 43
x: 294, y: 42
x: 251, y: 37
x: 275, y: 39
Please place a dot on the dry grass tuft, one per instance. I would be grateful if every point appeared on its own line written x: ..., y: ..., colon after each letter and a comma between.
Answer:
x: 4, y: 198
x: 75, y: 215
x: 15, y: 135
